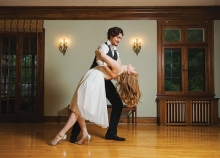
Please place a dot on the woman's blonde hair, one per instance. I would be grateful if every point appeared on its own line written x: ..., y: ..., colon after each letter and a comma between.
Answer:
x: 128, y: 88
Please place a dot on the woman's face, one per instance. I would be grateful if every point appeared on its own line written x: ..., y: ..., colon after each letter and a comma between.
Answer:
x: 131, y: 69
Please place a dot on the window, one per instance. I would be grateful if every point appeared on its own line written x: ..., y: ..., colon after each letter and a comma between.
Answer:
x: 185, y: 58
x: 172, y: 35
x: 195, y: 35
x: 172, y: 69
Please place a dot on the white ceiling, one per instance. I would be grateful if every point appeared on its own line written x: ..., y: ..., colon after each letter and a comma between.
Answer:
x: 109, y: 2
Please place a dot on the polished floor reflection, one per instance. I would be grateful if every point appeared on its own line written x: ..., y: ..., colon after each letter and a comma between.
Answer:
x: 21, y: 140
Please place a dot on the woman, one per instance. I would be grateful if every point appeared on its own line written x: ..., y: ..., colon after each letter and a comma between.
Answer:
x: 89, y: 100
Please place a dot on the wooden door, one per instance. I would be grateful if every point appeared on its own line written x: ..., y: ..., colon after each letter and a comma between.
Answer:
x: 21, y: 77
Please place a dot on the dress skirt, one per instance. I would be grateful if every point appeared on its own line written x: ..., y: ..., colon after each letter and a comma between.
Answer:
x: 89, y: 99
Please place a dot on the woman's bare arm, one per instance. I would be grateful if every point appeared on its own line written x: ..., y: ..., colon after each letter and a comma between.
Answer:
x: 115, y: 65
x: 119, y: 61
x: 109, y: 73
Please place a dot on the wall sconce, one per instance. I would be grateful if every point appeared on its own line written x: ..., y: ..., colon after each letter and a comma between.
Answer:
x: 137, y: 46
x: 63, y: 46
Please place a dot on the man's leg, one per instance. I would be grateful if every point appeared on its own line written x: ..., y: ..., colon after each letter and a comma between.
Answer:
x: 75, y: 132
x: 117, y: 105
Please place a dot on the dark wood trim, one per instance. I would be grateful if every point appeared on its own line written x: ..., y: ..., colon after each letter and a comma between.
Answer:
x: 110, y: 12
x: 144, y: 120
x: 40, y: 79
x: 163, y: 110
x: 211, y: 58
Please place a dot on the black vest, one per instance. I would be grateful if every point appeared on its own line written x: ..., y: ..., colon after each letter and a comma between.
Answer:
x: 115, y: 57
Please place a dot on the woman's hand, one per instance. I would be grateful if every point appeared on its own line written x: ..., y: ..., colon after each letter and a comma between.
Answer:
x: 98, y: 53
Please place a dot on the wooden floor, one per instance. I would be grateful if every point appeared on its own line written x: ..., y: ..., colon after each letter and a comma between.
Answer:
x: 21, y: 140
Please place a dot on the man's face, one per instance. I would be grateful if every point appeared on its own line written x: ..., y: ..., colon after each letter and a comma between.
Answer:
x: 115, y: 40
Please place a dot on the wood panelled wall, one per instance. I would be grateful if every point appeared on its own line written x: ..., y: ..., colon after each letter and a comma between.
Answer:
x: 110, y: 13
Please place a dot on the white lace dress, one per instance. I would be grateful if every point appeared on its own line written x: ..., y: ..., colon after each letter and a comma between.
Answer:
x: 89, y: 99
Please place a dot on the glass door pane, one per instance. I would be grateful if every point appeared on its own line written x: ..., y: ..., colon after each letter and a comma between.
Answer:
x: 172, y: 70
x: 196, y: 70
x: 28, y: 75
x: 8, y: 75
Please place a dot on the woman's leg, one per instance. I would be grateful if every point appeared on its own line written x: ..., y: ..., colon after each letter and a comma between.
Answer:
x: 84, y: 131
x: 61, y: 135
x: 70, y: 122
x: 115, y: 65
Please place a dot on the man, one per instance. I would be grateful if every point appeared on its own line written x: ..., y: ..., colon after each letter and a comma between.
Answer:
x: 114, y: 35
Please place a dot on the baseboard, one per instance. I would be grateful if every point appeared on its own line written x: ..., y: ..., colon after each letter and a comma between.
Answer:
x: 144, y: 120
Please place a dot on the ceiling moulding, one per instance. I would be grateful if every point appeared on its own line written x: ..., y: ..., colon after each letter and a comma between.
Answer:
x: 110, y: 13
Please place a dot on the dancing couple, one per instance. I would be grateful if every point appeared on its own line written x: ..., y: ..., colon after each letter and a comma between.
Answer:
x: 89, y: 99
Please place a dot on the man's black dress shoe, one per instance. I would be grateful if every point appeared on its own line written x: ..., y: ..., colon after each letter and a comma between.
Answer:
x: 73, y: 139
x: 114, y: 137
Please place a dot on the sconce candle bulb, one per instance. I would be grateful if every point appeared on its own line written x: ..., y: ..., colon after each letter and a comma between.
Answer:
x: 137, y: 46
x: 63, y: 46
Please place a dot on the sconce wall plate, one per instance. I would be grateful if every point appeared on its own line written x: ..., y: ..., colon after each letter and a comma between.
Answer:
x: 63, y: 46
x: 137, y: 46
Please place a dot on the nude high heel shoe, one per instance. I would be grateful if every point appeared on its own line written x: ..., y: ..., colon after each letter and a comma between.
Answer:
x: 88, y: 138
x: 58, y: 139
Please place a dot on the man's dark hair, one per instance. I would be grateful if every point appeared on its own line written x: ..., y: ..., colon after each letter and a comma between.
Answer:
x: 114, y: 31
